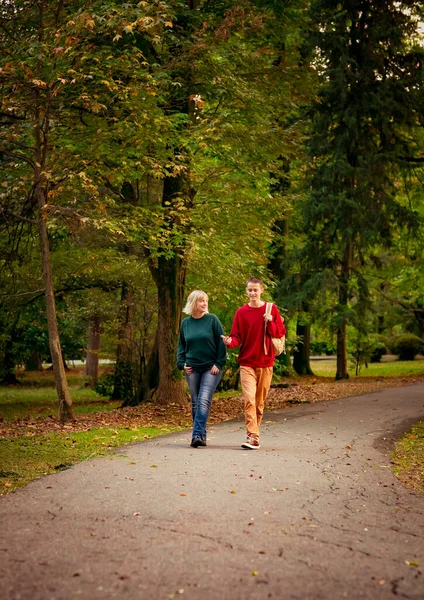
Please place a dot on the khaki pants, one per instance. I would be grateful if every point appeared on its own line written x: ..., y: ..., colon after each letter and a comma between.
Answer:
x: 255, y: 384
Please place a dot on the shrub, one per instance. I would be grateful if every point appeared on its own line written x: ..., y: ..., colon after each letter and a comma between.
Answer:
x: 319, y: 347
x: 104, y: 385
x: 387, y: 341
x: 379, y: 350
x: 231, y: 374
x: 407, y: 346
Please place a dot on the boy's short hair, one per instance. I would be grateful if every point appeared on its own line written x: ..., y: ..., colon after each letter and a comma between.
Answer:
x: 192, y: 299
x: 255, y: 280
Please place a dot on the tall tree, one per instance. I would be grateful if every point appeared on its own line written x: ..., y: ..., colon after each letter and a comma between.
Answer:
x: 64, y: 79
x: 363, y: 125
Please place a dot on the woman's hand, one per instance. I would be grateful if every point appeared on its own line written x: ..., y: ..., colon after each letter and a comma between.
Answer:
x: 226, y: 339
x: 214, y: 370
x: 188, y: 370
x: 267, y: 317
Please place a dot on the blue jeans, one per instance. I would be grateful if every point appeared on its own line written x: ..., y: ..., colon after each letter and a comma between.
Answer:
x: 202, y: 385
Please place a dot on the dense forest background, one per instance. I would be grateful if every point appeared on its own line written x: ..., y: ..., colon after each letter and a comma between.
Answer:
x: 151, y: 148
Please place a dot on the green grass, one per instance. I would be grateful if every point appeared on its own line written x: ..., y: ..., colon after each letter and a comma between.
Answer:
x: 45, y: 378
x: 27, y: 457
x: 20, y: 402
x: 408, y: 457
x: 327, y: 368
x: 24, y: 459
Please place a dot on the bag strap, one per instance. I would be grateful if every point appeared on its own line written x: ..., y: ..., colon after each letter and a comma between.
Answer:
x: 268, y: 310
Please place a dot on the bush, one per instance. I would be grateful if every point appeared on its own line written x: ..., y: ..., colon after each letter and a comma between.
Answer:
x: 379, y: 350
x: 386, y: 341
x: 318, y: 348
x: 407, y: 346
x: 282, y: 365
x: 104, y: 385
x: 231, y: 374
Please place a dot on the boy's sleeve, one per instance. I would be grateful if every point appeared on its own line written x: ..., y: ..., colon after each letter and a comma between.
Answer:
x: 236, y: 333
x: 181, y: 353
x: 221, y: 356
x: 276, y: 327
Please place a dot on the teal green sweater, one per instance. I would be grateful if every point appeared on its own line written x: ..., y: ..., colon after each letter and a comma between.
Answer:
x: 200, y: 344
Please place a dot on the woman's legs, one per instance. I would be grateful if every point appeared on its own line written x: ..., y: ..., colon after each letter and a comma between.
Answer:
x: 201, y: 401
x: 193, y: 381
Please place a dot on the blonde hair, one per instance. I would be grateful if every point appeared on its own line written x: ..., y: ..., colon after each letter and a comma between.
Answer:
x: 192, y: 299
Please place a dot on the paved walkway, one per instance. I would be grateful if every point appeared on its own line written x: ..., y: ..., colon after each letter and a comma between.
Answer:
x: 315, y: 514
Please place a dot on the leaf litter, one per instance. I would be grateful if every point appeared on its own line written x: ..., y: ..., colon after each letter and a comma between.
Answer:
x: 311, y: 390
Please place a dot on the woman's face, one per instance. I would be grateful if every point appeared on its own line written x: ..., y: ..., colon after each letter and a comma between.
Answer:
x: 202, y: 305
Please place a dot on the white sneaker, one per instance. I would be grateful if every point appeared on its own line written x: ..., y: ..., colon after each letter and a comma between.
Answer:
x: 251, y: 444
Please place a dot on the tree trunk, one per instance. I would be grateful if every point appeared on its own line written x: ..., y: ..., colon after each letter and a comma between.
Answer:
x: 341, y: 372
x: 301, y: 363
x: 150, y: 381
x: 123, y: 387
x: 8, y: 358
x: 8, y: 365
x: 33, y: 363
x: 169, y: 275
x: 64, y: 397
x: 93, y: 349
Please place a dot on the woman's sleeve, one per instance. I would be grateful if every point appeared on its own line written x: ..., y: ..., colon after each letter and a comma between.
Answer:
x: 221, y: 350
x: 181, y: 352
x: 276, y: 327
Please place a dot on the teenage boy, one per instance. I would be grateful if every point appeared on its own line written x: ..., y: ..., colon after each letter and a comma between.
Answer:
x: 256, y: 363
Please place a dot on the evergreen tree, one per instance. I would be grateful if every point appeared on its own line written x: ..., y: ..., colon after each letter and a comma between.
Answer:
x: 363, y: 123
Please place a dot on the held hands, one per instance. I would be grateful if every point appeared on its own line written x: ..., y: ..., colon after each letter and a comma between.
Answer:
x: 226, y: 339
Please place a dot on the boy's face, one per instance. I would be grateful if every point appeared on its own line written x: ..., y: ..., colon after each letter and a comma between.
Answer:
x: 254, y: 291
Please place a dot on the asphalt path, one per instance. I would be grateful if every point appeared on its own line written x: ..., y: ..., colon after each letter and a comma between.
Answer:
x: 316, y: 513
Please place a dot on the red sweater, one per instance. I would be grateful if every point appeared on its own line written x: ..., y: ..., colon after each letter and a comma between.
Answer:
x: 247, y: 331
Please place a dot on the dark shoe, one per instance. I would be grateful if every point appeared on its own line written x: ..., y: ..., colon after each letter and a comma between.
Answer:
x: 202, y: 442
x: 196, y: 442
x: 251, y: 444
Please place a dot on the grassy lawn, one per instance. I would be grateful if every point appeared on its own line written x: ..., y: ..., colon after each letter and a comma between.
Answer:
x: 24, y: 459
x: 39, y: 452
x: 398, y: 368
x: 33, y: 402
x: 408, y: 458
x: 36, y: 396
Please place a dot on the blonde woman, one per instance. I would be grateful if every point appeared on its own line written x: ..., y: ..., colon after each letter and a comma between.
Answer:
x: 202, y: 355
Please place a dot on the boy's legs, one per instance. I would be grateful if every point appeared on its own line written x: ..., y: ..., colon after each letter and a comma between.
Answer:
x: 255, y: 384
x: 263, y: 378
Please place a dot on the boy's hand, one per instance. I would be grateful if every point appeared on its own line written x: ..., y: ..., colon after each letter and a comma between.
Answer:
x: 267, y: 317
x: 226, y: 339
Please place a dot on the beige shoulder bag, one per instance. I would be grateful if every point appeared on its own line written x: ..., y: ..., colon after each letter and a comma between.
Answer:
x: 279, y: 344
